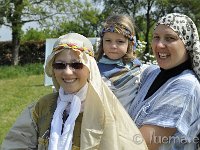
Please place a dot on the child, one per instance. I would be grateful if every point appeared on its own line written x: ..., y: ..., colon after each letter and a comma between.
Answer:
x: 116, y: 58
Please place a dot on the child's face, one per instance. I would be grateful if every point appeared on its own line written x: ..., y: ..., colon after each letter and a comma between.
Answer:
x: 115, y: 45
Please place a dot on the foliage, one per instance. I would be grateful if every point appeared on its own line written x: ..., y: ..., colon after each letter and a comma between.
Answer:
x: 19, y: 12
x: 144, y: 57
x: 36, y: 35
x: 5, y: 52
x: 147, y: 12
x: 84, y: 18
x: 58, y: 17
x: 30, y: 52
x: 89, y: 18
x: 2, y: 12
x: 139, y: 10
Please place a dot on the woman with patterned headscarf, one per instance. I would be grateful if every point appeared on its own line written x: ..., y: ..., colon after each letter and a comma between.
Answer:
x: 167, y: 107
x: 116, y: 58
x: 84, y: 114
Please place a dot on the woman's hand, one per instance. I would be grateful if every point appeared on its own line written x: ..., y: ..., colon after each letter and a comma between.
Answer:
x: 155, y: 135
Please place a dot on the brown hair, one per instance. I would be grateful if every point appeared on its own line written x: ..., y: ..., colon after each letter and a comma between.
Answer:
x: 125, y: 21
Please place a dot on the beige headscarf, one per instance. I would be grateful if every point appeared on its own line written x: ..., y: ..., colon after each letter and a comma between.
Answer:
x: 75, y: 42
x: 105, y: 124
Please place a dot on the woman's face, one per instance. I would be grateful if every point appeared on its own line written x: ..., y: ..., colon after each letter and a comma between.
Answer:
x: 115, y: 45
x: 70, y: 79
x: 168, y: 48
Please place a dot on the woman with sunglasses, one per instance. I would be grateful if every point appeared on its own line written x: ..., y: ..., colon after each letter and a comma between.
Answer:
x: 167, y: 106
x: 117, y: 61
x: 83, y: 114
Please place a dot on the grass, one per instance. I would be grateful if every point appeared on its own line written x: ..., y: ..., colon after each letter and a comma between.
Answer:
x: 10, y: 72
x: 20, y: 86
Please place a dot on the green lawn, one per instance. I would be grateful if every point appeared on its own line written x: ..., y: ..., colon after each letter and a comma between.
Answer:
x: 16, y: 93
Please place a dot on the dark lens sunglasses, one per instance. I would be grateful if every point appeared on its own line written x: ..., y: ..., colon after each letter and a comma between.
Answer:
x: 62, y: 65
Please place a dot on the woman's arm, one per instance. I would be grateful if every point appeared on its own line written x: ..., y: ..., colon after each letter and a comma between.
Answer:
x: 23, y: 134
x: 155, y: 135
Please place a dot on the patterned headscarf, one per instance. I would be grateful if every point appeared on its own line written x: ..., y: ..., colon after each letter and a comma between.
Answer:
x: 187, y: 32
x: 118, y: 28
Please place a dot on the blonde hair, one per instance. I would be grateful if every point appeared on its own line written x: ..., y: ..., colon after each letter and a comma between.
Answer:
x: 123, y: 22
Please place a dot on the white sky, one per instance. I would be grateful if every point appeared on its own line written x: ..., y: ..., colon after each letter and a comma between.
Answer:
x: 5, y: 32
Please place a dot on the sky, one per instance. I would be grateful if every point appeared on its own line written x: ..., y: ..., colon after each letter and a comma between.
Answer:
x: 6, y: 35
x: 5, y: 32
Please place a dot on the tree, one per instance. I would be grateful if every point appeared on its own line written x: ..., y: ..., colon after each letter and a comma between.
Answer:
x: 148, y: 6
x: 147, y: 12
x: 85, y: 18
x: 140, y: 10
x: 36, y: 35
x: 18, y: 12
x: 2, y: 12
x: 189, y: 8
x: 73, y: 15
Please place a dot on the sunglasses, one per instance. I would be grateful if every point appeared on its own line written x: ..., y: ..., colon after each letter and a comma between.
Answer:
x: 62, y: 65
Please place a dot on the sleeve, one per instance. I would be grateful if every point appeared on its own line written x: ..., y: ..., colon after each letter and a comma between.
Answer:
x: 145, y: 71
x: 177, y: 107
x: 23, y: 134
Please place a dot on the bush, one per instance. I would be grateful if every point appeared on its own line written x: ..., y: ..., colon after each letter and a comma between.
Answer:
x: 145, y: 58
x: 5, y: 53
x: 32, y: 52
x: 29, y: 52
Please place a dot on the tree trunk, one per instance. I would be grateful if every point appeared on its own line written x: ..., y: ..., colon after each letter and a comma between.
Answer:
x: 15, y: 51
x: 16, y: 31
x: 147, y: 27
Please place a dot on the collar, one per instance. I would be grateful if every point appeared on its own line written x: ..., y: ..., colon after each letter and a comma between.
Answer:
x: 119, y: 62
x: 178, y: 69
